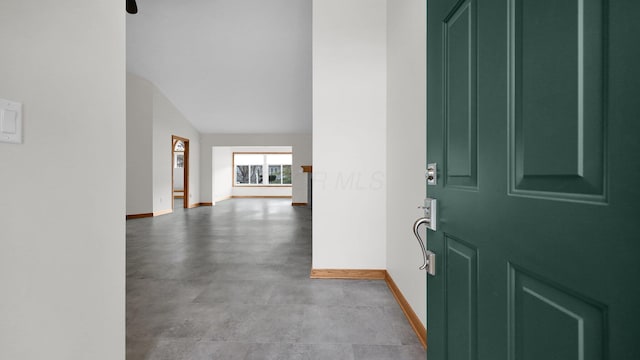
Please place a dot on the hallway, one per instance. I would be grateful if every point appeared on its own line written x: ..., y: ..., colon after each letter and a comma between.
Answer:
x: 232, y: 282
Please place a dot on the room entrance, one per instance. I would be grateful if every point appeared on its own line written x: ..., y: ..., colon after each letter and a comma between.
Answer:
x: 179, y: 172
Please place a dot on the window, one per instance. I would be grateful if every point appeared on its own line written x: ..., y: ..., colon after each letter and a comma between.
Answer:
x: 279, y: 174
x: 178, y: 154
x: 250, y: 167
x: 249, y: 174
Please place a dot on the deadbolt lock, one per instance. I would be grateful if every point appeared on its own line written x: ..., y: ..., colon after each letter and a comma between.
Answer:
x: 432, y: 174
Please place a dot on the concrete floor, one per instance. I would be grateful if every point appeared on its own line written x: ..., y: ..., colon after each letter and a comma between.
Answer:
x: 232, y: 282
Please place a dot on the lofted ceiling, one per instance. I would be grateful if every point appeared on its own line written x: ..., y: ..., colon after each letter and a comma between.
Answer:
x: 230, y: 66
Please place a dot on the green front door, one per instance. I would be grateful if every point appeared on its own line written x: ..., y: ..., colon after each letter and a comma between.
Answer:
x: 534, y: 123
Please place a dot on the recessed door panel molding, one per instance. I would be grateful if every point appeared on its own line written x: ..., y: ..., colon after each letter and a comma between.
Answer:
x: 461, y: 145
x: 548, y: 322
x: 558, y: 99
x: 461, y: 283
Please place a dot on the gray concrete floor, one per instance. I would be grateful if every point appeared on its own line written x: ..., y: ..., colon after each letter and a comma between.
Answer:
x: 232, y: 282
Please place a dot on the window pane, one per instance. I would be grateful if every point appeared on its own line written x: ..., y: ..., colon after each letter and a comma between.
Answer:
x: 286, y: 174
x: 179, y: 160
x: 242, y: 174
x: 256, y: 174
x: 274, y: 174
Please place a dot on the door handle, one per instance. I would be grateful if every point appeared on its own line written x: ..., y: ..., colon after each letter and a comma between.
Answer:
x: 429, y: 258
x: 416, y: 225
x: 430, y: 221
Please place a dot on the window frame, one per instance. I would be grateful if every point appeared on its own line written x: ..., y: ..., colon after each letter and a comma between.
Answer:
x: 265, y: 176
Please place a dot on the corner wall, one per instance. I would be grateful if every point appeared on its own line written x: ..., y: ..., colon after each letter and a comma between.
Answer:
x: 406, y: 146
x: 349, y: 134
x: 169, y: 121
x: 152, y: 120
x: 222, y: 184
x: 62, y: 193
x: 139, y: 145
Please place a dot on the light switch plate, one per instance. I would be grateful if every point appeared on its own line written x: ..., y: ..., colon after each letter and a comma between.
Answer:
x: 10, y: 122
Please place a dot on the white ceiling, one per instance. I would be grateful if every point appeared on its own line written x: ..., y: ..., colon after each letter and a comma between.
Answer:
x: 230, y: 66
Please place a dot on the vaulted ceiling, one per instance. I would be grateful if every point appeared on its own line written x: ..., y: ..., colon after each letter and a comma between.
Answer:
x: 230, y: 66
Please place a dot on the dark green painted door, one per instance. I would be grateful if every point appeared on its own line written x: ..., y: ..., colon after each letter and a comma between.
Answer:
x: 534, y: 122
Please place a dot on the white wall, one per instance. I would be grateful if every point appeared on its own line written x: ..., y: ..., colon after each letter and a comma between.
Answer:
x: 301, y: 145
x: 62, y: 192
x: 349, y: 134
x: 168, y: 121
x: 239, y: 191
x: 139, y: 145
x: 222, y: 173
x: 406, y: 145
x: 149, y: 186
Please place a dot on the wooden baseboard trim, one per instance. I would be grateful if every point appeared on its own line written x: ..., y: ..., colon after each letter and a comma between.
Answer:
x: 369, y: 274
x: 139, y: 216
x: 261, y: 197
x: 148, y: 215
x: 413, y: 319
x: 162, y: 212
x: 196, y: 205
x: 299, y: 204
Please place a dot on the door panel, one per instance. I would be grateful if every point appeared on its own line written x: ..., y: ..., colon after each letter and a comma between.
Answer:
x: 461, y: 285
x: 557, y: 120
x: 533, y: 115
x: 459, y: 59
x: 548, y: 320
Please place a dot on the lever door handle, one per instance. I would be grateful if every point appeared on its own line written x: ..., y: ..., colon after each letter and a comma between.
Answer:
x: 429, y: 258
x: 416, y: 225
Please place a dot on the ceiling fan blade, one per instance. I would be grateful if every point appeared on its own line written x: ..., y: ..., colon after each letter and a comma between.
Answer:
x: 132, y: 7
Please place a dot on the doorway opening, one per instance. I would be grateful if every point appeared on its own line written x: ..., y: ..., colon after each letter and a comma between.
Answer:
x: 179, y: 172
